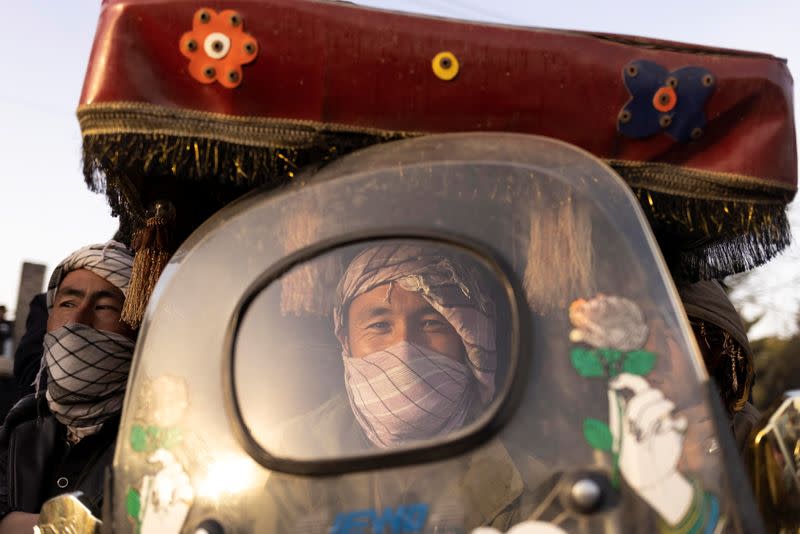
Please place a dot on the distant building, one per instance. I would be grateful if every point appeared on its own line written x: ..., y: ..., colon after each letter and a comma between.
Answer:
x: 31, y: 282
x: 6, y: 333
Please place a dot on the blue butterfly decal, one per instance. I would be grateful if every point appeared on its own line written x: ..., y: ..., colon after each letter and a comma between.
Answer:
x: 663, y: 101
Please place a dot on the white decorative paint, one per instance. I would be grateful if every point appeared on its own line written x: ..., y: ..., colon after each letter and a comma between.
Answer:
x: 649, y: 441
x: 166, y: 496
x: 526, y: 527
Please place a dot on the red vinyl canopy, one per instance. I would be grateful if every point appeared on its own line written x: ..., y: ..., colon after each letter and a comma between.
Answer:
x: 243, y: 93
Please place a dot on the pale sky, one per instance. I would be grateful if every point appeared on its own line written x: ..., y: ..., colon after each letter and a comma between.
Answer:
x: 46, y: 211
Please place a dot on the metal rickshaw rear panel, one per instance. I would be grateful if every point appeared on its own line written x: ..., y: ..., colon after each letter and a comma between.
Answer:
x: 595, y: 414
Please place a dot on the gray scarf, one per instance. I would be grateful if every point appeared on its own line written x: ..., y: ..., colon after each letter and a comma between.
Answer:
x: 87, y: 372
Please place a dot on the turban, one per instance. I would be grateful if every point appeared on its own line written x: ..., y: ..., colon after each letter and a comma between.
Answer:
x: 111, y: 261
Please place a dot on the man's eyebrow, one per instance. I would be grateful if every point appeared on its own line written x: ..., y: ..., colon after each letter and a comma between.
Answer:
x: 70, y: 292
x: 373, y: 311
x: 105, y: 293
x: 79, y: 293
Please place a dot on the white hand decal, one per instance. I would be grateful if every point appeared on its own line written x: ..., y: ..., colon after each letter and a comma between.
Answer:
x: 166, y: 496
x: 649, y: 441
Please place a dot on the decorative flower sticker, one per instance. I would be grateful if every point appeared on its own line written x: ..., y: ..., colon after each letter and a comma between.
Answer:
x: 608, y: 322
x: 217, y: 47
x: 663, y: 101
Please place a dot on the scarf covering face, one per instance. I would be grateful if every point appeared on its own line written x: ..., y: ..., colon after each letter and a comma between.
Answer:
x: 111, y: 261
x: 407, y: 393
x: 451, y: 286
x: 87, y: 371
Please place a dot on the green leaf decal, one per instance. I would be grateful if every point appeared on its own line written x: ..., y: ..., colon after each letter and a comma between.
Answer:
x: 639, y: 362
x: 153, y: 433
x: 138, y: 438
x: 610, y: 355
x: 133, y: 503
x: 170, y: 437
x: 587, y: 362
x: 597, y: 434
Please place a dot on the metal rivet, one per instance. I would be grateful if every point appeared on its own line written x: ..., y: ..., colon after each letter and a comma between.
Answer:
x: 191, y: 45
x: 664, y: 99
x: 233, y: 76
x: 62, y: 482
x: 250, y: 48
x: 633, y: 71
x: 209, y: 526
x: 625, y: 116
x: 586, y: 494
x: 236, y: 19
x: 672, y: 82
x: 697, y: 133
x: 205, y: 17
x: 665, y: 121
x: 209, y: 72
x: 708, y: 80
x: 217, y: 46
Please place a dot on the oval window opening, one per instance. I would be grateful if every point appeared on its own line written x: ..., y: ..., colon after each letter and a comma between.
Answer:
x: 374, y: 347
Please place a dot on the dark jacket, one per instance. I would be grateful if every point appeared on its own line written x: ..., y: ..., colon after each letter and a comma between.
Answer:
x: 37, y: 462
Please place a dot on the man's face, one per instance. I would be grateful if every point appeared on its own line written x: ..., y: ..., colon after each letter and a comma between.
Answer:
x: 88, y: 299
x: 387, y: 314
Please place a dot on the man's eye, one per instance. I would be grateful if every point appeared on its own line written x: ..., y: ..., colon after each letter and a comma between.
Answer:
x: 431, y: 324
x: 66, y: 304
x: 379, y: 325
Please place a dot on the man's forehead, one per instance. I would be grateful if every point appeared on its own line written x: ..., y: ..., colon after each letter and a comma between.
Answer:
x: 390, y: 297
x: 85, y: 281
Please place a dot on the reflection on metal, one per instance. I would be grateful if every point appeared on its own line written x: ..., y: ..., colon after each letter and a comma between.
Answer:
x: 210, y: 526
x: 586, y: 494
x: 66, y: 513
x: 775, y: 465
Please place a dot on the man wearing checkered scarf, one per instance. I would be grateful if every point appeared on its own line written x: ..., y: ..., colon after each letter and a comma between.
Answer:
x: 62, y: 438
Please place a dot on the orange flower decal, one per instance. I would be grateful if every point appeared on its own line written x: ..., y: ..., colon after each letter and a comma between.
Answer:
x: 217, y: 47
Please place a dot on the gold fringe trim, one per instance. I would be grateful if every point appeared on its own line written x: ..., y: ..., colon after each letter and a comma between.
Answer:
x: 696, y: 183
x: 708, y: 223
x: 308, y: 288
x: 152, y: 120
x: 559, y: 263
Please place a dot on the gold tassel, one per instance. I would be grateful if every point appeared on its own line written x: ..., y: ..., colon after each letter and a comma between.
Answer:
x: 153, y: 248
x: 308, y: 288
x: 559, y: 264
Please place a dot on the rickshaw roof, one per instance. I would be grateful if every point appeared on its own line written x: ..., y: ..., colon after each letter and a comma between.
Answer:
x: 197, y: 105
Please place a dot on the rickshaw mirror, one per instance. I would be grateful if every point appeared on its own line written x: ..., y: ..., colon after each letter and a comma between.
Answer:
x: 414, y: 351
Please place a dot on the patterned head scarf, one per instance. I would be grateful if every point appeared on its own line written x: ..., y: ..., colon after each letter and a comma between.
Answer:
x: 112, y: 261
x: 450, y: 285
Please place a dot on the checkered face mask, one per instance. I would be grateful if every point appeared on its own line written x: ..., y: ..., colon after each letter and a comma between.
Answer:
x: 87, y: 371
x: 407, y: 393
